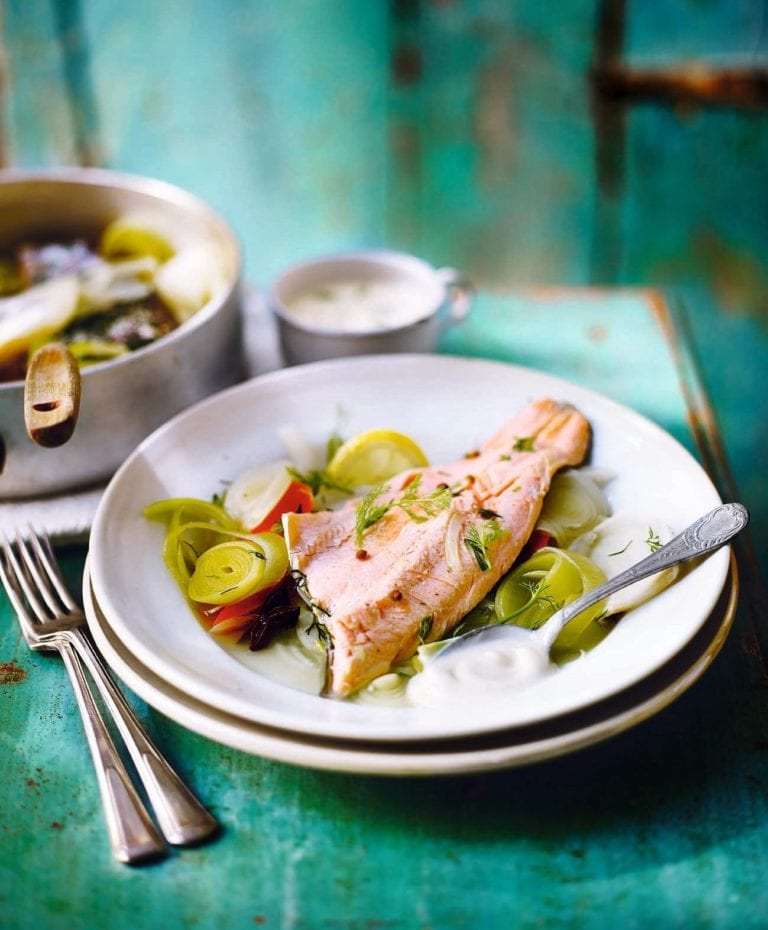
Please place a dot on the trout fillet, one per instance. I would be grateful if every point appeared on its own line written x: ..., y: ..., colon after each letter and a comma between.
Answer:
x: 410, y: 581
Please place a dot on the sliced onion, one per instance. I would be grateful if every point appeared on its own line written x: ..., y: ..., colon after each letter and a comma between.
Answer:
x: 619, y: 542
x: 255, y: 493
x: 192, y: 277
x: 104, y: 284
x: 453, y: 534
x: 574, y: 504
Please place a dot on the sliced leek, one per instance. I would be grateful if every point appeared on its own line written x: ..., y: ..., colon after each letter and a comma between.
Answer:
x: 551, y: 578
x: 178, y: 510
x: 227, y: 572
x: 210, y: 557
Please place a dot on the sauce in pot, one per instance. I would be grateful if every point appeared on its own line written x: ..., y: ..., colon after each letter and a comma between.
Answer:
x: 361, y: 306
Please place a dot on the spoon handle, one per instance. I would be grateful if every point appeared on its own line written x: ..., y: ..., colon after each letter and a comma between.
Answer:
x: 709, y: 532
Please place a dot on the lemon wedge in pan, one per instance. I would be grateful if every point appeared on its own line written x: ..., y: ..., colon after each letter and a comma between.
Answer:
x: 138, y: 234
x: 33, y: 316
x: 373, y: 457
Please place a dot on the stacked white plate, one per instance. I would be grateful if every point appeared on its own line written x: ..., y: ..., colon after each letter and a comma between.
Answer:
x: 148, y: 634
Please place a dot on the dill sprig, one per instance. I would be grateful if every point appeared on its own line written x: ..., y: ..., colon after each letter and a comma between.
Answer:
x: 479, y: 538
x: 421, y: 509
x: 368, y: 512
x: 652, y: 541
x: 418, y: 508
x: 539, y: 591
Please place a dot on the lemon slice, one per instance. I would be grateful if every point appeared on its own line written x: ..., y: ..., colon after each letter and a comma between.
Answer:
x: 374, y: 456
x: 137, y: 234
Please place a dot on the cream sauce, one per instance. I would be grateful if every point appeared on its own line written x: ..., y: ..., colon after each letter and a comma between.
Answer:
x: 475, y: 673
x: 359, y: 306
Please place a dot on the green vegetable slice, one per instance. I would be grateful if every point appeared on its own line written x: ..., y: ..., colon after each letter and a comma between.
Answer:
x: 532, y: 592
x: 237, y: 568
x: 179, y: 510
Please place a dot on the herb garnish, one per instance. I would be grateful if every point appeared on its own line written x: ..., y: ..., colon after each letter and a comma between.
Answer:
x: 317, y: 479
x: 479, y: 538
x: 335, y: 440
x: 425, y: 625
x: 653, y: 542
x: 302, y: 586
x: 621, y: 551
x: 539, y: 592
x: 524, y: 444
x: 430, y: 506
x: 419, y: 509
x: 368, y: 512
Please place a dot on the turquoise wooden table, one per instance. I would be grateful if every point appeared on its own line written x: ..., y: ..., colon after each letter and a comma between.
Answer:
x: 574, y: 162
x: 664, y: 823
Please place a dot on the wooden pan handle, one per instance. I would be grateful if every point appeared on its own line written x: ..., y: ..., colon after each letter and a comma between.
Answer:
x: 51, y: 395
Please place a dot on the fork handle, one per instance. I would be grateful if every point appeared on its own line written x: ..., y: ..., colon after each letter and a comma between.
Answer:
x: 182, y: 818
x: 132, y: 834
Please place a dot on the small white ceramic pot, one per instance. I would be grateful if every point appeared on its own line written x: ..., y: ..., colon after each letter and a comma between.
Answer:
x: 309, y: 331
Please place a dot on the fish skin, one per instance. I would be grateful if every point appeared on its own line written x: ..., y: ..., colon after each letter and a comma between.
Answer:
x: 376, y: 603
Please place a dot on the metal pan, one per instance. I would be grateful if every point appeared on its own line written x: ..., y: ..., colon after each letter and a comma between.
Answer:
x: 123, y: 400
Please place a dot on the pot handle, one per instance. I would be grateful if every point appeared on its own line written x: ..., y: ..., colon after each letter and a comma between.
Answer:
x: 461, y: 293
x: 52, y: 395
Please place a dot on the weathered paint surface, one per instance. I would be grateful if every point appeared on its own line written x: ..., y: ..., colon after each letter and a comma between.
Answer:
x: 475, y: 134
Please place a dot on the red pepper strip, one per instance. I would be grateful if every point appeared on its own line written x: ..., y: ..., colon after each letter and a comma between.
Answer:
x: 297, y: 498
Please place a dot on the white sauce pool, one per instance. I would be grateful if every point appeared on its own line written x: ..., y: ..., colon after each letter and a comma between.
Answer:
x: 362, y: 305
x: 475, y: 673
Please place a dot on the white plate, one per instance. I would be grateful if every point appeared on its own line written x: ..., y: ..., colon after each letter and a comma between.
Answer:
x: 449, y: 405
x: 508, y: 749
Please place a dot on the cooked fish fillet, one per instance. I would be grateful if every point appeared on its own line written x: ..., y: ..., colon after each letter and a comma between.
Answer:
x: 411, y: 580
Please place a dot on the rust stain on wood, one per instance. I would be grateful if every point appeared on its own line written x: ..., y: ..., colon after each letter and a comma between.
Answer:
x: 690, y: 83
x: 11, y: 673
x: 407, y: 63
x: 406, y: 59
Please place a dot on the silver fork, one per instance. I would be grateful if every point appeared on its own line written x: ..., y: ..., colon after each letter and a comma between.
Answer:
x: 51, y: 621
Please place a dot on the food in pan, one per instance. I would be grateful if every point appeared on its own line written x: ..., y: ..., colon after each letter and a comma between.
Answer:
x: 104, y: 298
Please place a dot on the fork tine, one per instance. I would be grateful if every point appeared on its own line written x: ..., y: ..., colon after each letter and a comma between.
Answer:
x: 46, y: 560
x: 9, y: 575
x: 29, y: 579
